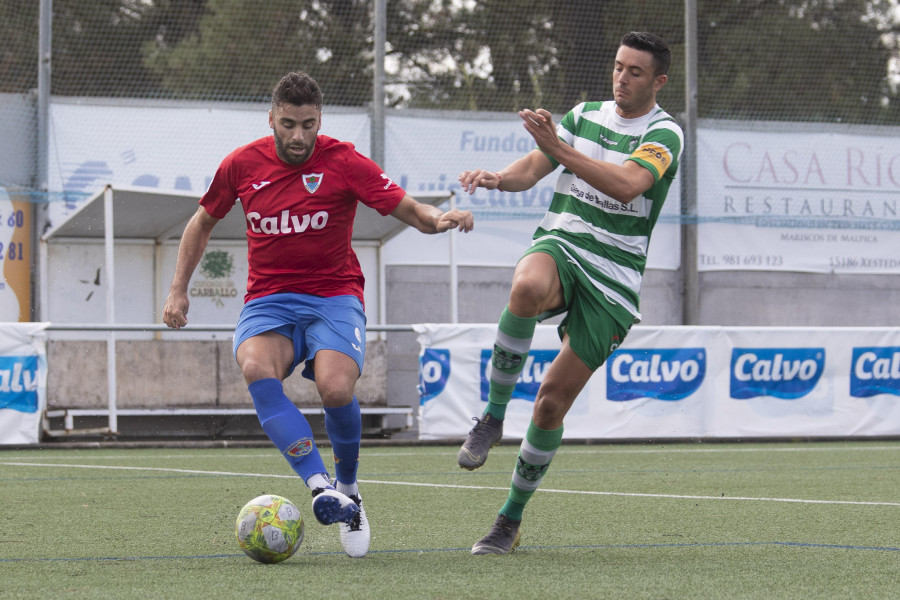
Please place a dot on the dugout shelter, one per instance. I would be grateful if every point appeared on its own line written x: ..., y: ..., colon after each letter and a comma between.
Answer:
x: 140, y: 227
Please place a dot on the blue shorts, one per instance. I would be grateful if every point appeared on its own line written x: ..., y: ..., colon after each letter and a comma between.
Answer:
x: 313, y: 323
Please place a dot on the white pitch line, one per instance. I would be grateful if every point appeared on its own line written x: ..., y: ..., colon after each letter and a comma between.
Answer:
x: 166, y: 470
x: 568, y: 450
x: 638, y: 495
x: 462, y: 487
x: 707, y: 449
x: 261, y: 454
x: 746, y: 498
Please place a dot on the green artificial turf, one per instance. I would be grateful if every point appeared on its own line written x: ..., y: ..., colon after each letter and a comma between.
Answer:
x: 792, y: 520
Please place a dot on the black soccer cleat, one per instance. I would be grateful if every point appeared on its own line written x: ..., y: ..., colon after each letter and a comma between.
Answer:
x: 502, y: 539
x: 486, y: 434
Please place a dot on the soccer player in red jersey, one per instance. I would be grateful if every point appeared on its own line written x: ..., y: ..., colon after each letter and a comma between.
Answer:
x: 304, y: 304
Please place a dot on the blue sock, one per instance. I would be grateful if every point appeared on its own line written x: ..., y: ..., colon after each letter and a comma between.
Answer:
x: 286, y: 427
x: 344, y: 427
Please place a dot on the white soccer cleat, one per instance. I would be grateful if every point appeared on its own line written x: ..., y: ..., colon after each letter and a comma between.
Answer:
x: 331, y: 506
x: 355, y: 533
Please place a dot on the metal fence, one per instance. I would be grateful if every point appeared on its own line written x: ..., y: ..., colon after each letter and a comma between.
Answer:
x: 823, y: 61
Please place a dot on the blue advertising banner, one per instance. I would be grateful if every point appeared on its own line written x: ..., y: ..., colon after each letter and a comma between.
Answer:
x: 23, y: 382
x: 681, y: 382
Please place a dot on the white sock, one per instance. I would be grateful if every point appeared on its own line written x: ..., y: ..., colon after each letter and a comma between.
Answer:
x: 348, y: 489
x: 319, y: 480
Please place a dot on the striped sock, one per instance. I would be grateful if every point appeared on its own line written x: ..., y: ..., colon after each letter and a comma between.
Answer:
x: 511, y: 348
x: 535, y: 454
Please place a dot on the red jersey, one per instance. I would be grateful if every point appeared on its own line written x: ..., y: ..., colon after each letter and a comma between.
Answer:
x: 300, y: 217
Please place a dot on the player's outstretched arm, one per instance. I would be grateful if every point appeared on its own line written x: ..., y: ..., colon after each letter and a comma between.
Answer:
x: 193, y: 243
x: 519, y: 175
x: 431, y: 219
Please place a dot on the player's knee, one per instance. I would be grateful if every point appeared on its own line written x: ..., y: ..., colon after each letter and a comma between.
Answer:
x: 527, y: 297
x: 549, y: 411
x: 254, y: 370
x: 335, y: 396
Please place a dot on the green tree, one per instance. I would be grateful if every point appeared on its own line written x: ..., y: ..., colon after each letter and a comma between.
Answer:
x: 812, y: 60
x: 96, y: 48
x: 510, y: 54
x: 243, y: 47
x: 19, y: 50
x: 799, y: 61
x: 492, y: 55
x: 585, y: 48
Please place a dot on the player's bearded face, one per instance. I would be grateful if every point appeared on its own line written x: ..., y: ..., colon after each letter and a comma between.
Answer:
x: 295, y: 129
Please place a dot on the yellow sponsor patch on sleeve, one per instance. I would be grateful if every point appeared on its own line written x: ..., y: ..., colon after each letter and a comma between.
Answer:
x: 657, y: 155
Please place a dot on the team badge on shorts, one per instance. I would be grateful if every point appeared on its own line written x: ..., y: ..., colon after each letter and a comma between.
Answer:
x: 312, y: 181
x: 300, y: 448
x: 615, y: 344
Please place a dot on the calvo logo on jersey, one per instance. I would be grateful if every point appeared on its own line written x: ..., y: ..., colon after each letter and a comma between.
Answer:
x: 312, y: 181
x: 662, y: 373
x: 875, y: 370
x: 434, y: 371
x: 19, y: 383
x: 786, y: 373
x: 530, y: 378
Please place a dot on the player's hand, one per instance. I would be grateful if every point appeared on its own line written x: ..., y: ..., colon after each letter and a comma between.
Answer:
x: 463, y: 220
x: 540, y: 125
x: 469, y: 180
x: 176, y: 309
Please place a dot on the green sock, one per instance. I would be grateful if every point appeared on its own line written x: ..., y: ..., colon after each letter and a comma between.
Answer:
x: 535, y: 454
x: 510, y: 352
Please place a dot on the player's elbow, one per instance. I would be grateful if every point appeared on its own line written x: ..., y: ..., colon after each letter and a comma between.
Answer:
x: 626, y: 194
x: 632, y: 182
x: 629, y: 189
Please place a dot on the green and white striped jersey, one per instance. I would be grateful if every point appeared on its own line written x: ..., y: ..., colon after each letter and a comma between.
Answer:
x: 606, y: 239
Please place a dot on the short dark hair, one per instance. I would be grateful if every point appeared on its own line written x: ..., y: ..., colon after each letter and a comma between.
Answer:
x: 297, y: 88
x: 652, y: 43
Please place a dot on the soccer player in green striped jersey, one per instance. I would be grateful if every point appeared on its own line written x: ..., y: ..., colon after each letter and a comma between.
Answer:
x: 586, y: 260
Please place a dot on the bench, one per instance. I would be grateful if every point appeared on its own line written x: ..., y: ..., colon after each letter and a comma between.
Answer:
x: 68, y: 415
x: 166, y: 380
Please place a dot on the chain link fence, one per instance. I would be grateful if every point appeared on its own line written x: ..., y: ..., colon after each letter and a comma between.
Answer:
x: 763, y: 61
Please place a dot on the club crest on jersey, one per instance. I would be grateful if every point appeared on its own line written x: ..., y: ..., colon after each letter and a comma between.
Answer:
x: 312, y: 181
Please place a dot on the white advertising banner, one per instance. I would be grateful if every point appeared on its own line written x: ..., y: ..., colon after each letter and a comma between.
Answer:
x: 505, y: 221
x: 681, y: 382
x: 178, y: 148
x: 23, y: 382
x: 789, y: 201
x: 768, y: 199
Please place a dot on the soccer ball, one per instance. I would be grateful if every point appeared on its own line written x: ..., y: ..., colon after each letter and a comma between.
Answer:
x: 269, y: 529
